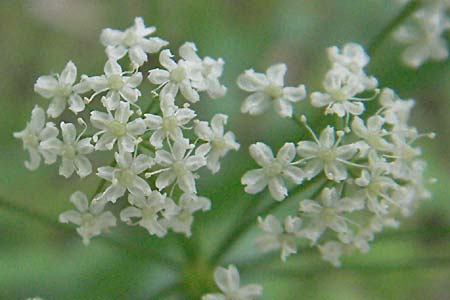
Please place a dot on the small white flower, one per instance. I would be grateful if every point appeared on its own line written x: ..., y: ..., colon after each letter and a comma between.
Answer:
x: 219, y: 141
x: 341, y: 87
x: 278, y: 236
x: 72, y: 151
x: 179, y: 166
x: 228, y: 281
x: 273, y: 171
x: 170, y: 124
x: 90, y: 218
x: 326, y: 154
x: 373, y: 133
x: 188, y: 204
x: 395, y: 110
x: 268, y: 88
x: 332, y: 252
x: 116, y: 84
x: 179, y: 75
x: 134, y: 41
x: 425, y: 36
x: 328, y: 213
x: 36, y: 132
x: 155, y: 212
x: 355, y: 59
x: 117, y: 128
x: 125, y: 176
x: 61, y: 90
x: 210, y: 70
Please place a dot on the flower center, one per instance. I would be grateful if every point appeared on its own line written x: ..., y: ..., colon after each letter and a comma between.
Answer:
x: 149, y: 212
x: 117, y: 128
x: 179, y: 168
x: 130, y: 39
x: 126, y: 177
x: 274, y: 91
x: 327, y: 155
x: 218, y: 143
x: 273, y: 169
x: 88, y: 219
x: 169, y: 123
x: 340, y: 96
x: 64, y: 90
x: 178, y: 74
x: 116, y: 81
x: 68, y: 151
x: 31, y: 140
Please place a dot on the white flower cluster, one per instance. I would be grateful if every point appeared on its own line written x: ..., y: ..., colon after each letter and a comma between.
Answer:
x: 424, y: 33
x: 157, y: 151
x: 369, y: 165
x: 228, y: 281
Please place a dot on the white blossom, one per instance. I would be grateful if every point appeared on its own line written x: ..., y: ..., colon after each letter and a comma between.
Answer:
x: 210, y: 70
x: 117, y: 128
x: 328, y: 213
x: 279, y: 236
x: 273, y: 172
x: 134, y: 41
x: 90, y: 218
x: 188, y: 204
x: 125, y: 176
x: 35, y: 133
x: 326, y: 154
x: 179, y: 75
x: 269, y: 88
x: 60, y: 88
x: 332, y: 252
x: 170, y: 124
x: 354, y: 58
x: 72, y: 150
x: 341, y: 87
x: 154, y: 211
x: 228, y: 281
x: 219, y: 141
x: 424, y: 36
x: 179, y: 166
x: 116, y: 84
x: 373, y: 133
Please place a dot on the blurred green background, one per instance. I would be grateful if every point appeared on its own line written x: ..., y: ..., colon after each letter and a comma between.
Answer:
x: 39, y: 36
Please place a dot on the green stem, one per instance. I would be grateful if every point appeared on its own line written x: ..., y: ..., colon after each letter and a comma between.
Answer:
x: 50, y: 222
x: 249, y: 220
x: 407, y: 11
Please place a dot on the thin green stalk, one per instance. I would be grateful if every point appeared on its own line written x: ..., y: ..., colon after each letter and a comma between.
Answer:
x: 249, y: 221
x: 407, y: 11
x: 50, y: 222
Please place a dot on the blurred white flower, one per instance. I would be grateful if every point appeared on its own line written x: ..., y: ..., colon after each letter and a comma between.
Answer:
x: 72, y: 150
x: 60, y: 88
x: 117, y: 128
x: 228, y: 281
x: 219, y: 141
x: 90, y: 218
x: 154, y: 211
x: 125, y: 176
x: 35, y: 133
x: 188, y: 204
x: 269, y: 88
x: 134, y: 41
x: 273, y: 172
x: 278, y: 236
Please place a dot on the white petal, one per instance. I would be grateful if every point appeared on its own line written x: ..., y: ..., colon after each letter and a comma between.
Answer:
x: 158, y: 76
x: 251, y: 81
x: 294, y: 94
x: 283, y: 107
x: 46, y: 86
x: 276, y: 73
x: 277, y: 188
x: 261, y: 153
x: 69, y: 74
